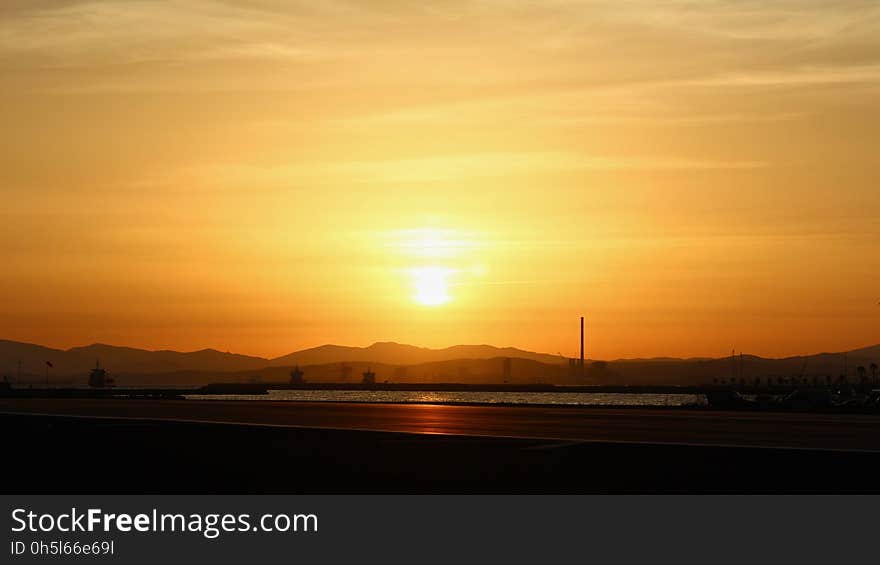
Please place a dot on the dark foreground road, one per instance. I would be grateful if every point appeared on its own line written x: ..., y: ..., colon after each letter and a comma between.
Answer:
x: 240, y: 447
x: 672, y: 426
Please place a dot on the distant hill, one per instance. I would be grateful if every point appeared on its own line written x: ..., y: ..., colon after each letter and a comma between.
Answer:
x: 77, y: 361
x: 402, y: 363
x: 401, y: 354
x: 131, y: 360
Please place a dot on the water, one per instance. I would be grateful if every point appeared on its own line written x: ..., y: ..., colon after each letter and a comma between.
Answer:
x: 469, y: 397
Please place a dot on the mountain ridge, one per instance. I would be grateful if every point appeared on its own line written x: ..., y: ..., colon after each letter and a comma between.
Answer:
x: 124, y: 360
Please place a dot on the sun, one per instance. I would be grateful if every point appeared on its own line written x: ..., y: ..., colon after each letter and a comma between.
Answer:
x: 435, y: 261
x: 431, y: 285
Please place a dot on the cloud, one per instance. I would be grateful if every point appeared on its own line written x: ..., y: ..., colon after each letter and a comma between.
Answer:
x: 486, y: 49
x: 445, y: 168
x: 795, y: 77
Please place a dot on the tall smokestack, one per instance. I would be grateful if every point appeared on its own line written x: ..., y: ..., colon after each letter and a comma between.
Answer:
x: 582, y: 341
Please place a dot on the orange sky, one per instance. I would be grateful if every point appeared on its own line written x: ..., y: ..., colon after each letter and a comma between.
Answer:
x: 694, y: 177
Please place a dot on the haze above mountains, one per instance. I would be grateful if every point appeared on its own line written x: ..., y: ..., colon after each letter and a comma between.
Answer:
x: 460, y: 363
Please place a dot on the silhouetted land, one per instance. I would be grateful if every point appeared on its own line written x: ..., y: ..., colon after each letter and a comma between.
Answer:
x: 219, y: 446
x: 405, y: 364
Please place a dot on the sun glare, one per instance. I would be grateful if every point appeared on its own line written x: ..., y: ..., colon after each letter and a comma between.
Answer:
x: 431, y: 285
x: 434, y: 261
x: 430, y: 242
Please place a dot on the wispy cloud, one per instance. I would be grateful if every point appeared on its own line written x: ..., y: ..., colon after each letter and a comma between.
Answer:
x: 446, y: 168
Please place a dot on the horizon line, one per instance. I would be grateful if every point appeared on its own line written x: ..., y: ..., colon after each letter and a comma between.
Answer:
x: 556, y: 355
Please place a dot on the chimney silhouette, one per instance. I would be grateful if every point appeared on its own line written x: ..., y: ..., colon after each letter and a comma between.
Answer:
x: 582, y: 341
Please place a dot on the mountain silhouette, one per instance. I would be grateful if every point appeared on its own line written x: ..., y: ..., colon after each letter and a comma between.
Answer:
x: 469, y: 363
x: 120, y: 360
x: 130, y: 360
x: 392, y: 353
